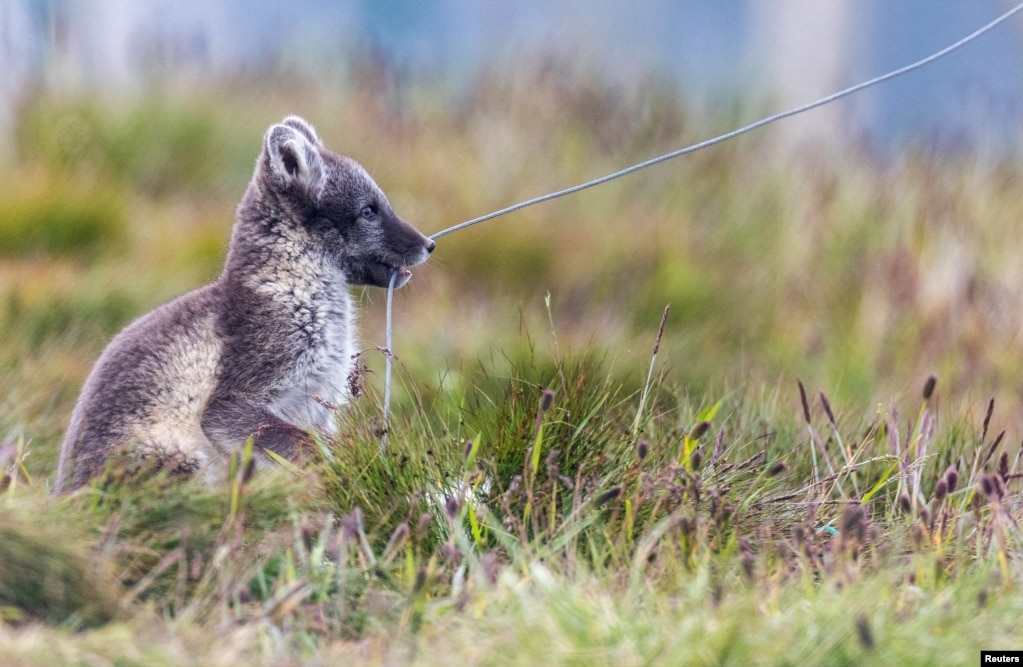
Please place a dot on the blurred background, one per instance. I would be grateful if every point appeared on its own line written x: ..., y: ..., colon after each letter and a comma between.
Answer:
x: 858, y: 247
x: 786, y: 52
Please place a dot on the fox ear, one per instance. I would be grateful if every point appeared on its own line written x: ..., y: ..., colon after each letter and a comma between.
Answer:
x: 291, y: 157
x: 303, y: 126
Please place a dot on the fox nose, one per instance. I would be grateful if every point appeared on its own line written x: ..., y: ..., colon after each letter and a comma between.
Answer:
x: 431, y: 246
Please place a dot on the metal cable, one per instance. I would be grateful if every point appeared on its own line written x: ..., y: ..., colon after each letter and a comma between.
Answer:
x: 388, y: 360
x: 668, y: 156
x: 724, y: 137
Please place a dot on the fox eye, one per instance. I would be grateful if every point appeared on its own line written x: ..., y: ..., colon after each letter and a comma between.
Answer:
x: 369, y: 211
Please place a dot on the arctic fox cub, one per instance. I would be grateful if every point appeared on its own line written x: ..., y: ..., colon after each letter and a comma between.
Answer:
x: 264, y: 349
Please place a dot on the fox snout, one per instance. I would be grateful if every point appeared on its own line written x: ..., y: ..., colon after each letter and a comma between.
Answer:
x: 410, y: 248
x: 401, y: 246
x: 421, y: 246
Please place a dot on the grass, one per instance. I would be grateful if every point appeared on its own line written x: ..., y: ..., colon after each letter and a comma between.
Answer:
x: 814, y: 459
x: 553, y: 537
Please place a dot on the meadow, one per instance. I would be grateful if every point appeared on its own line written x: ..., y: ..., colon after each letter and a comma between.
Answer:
x: 758, y: 405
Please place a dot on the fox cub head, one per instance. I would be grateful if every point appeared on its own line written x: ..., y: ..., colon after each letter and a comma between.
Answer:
x: 331, y: 201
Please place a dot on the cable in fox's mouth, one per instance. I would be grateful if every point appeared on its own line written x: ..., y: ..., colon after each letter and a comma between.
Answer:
x: 403, y: 273
x: 399, y: 274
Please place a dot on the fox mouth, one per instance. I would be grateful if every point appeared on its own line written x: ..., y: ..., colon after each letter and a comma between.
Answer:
x: 403, y: 272
x: 377, y: 271
x: 380, y: 273
x: 404, y: 275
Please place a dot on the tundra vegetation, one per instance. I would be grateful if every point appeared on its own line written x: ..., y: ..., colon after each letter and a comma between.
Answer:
x: 820, y: 464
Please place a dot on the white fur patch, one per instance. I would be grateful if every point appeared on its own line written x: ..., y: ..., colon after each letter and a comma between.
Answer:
x: 319, y: 378
x: 175, y: 436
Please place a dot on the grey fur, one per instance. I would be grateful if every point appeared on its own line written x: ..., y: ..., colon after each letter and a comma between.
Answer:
x: 261, y: 349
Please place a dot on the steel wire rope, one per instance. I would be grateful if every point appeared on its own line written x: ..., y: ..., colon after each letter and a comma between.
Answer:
x: 389, y: 333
